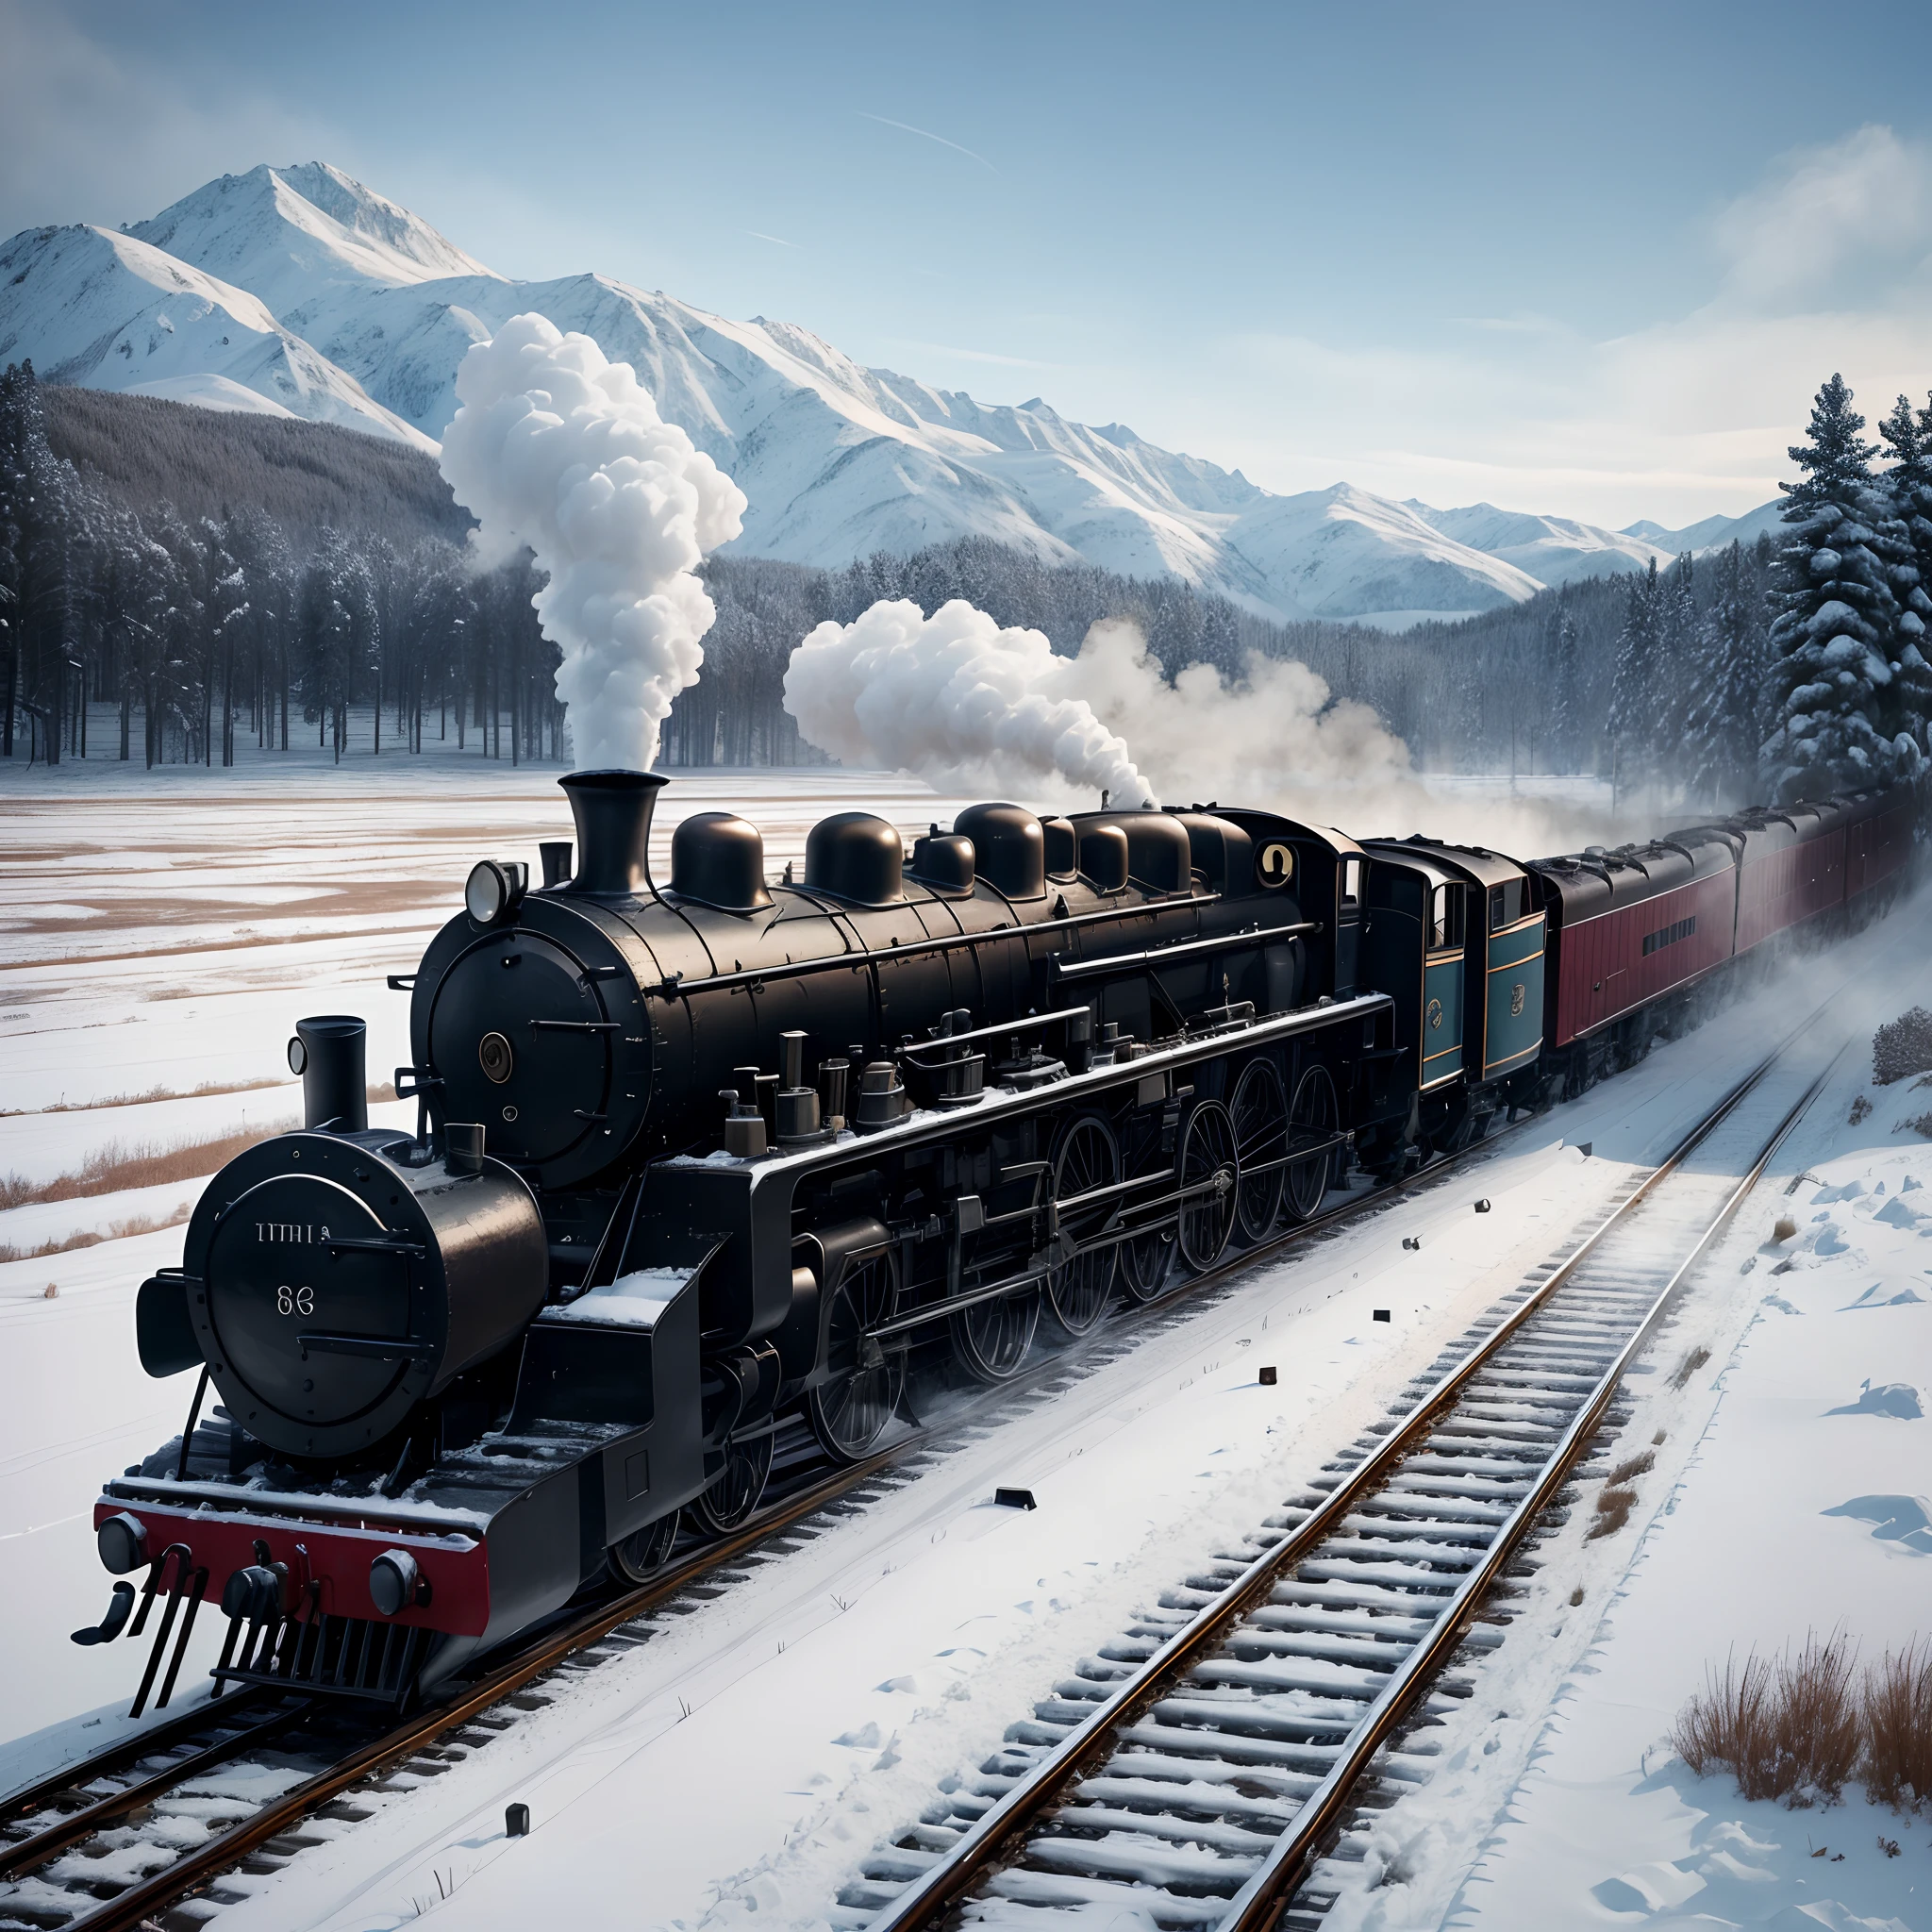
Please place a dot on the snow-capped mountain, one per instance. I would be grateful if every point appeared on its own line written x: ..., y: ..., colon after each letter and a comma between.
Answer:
x: 300, y: 289
x: 286, y: 233
x: 103, y: 310
x: 1715, y: 532
x: 1551, y: 550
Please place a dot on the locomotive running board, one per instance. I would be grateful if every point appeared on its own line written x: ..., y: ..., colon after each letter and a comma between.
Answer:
x: 1002, y: 1104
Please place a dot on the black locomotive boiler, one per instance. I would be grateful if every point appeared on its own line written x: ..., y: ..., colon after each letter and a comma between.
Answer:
x: 697, y: 1157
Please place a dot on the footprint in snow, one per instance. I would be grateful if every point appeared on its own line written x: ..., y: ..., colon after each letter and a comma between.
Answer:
x: 1875, y: 1297
x: 1849, y: 1192
x: 1782, y: 1306
x: 1902, y: 1520
x: 1895, y: 1213
x: 1898, y: 1399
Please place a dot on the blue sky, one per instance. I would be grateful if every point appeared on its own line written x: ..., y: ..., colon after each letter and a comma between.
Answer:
x: 1585, y: 261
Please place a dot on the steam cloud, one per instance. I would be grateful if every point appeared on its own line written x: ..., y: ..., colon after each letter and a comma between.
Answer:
x: 960, y: 702
x: 956, y: 699
x: 557, y: 448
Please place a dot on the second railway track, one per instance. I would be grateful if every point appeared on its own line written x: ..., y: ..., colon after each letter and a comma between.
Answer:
x: 1195, y: 1773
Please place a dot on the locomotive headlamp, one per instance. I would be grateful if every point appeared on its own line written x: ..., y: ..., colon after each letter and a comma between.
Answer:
x: 123, y: 1543
x: 395, y: 1582
x: 493, y: 890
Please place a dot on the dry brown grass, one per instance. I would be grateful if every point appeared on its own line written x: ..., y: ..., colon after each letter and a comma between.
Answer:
x: 1786, y: 1727
x: 1630, y: 1469
x: 1690, y: 1366
x: 114, y: 1167
x: 378, y: 1089
x: 111, y: 1169
x: 1902, y: 1046
x: 1897, y: 1711
x: 1613, y: 1507
x: 93, y: 1237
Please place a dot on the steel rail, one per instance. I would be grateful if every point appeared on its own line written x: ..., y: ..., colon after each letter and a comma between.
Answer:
x: 998, y: 1833
x: 127, y: 1910
x: 1258, y: 1904
x: 25, y: 1799
x: 23, y: 1854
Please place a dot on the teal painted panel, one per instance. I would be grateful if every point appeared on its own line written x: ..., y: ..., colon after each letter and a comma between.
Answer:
x: 1514, y: 1007
x: 1442, y: 1019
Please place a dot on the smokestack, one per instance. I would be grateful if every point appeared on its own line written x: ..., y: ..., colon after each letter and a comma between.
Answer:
x: 329, y: 1053
x: 613, y: 814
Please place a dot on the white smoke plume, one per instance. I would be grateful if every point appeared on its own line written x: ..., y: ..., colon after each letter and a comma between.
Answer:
x: 958, y: 700
x: 965, y: 704
x: 557, y: 449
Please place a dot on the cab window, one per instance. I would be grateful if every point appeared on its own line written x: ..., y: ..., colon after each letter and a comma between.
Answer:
x: 1445, y: 918
x: 1350, y: 881
x: 1505, y: 905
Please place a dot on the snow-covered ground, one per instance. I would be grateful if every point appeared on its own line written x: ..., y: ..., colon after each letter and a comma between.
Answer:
x: 737, y: 1767
x: 1794, y: 1496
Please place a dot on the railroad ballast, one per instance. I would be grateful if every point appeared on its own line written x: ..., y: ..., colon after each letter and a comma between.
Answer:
x: 695, y: 1156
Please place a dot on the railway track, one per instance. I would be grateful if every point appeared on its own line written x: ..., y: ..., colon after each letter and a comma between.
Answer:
x: 1195, y: 1773
x: 108, y: 1844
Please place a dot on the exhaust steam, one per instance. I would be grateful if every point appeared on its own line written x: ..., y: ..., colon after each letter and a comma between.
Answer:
x: 557, y: 449
x: 956, y: 700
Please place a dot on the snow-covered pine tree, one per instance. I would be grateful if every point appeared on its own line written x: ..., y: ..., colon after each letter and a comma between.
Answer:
x: 1836, y: 630
x: 1907, y: 439
x: 1560, y: 670
x: 1678, y: 645
x: 1633, y: 682
x: 1726, y: 670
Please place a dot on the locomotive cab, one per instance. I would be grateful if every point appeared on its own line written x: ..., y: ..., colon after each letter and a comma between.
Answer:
x: 1454, y: 935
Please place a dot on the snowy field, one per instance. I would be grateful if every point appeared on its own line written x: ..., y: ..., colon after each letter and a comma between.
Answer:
x: 162, y: 938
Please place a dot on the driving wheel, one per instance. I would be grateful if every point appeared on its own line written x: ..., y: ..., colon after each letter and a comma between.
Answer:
x: 1088, y: 1157
x: 860, y: 1395
x: 1209, y: 1173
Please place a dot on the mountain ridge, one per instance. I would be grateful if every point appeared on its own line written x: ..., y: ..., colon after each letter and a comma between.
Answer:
x: 300, y: 290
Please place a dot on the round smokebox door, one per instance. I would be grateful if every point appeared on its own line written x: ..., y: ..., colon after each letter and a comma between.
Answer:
x: 273, y: 1279
x: 515, y: 1036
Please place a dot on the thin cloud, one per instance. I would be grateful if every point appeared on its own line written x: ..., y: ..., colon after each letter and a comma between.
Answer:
x: 1839, y: 225
x: 927, y: 133
x: 758, y: 235
x: 975, y: 354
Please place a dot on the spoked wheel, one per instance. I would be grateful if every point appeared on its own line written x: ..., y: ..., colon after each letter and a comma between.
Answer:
x: 1088, y: 1157
x: 1210, y: 1173
x: 1260, y: 1126
x: 990, y: 1339
x: 1313, y: 1116
x: 1147, y: 1261
x: 738, y: 1489
x: 639, y: 1556
x: 852, y: 1407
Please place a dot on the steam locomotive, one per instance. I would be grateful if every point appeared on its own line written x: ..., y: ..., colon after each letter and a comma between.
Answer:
x: 696, y: 1159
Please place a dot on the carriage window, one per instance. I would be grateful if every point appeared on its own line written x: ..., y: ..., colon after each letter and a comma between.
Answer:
x: 1350, y: 881
x: 1505, y: 905
x: 1445, y: 917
